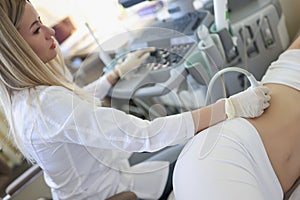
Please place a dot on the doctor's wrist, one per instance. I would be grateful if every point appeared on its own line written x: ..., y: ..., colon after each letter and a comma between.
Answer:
x: 115, y: 74
x: 219, y: 111
x: 113, y: 77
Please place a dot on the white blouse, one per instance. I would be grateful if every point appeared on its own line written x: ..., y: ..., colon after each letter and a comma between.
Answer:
x: 285, y: 70
x: 84, y: 149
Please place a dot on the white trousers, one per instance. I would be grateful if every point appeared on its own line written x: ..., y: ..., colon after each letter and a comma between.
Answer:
x: 227, y: 161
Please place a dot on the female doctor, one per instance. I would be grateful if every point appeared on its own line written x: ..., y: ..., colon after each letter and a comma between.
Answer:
x: 81, y: 146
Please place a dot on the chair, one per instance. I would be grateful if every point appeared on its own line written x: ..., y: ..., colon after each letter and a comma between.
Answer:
x: 24, y: 187
x: 30, y: 179
x: 124, y: 196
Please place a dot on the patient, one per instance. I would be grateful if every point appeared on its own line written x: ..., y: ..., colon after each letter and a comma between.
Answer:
x: 249, y: 158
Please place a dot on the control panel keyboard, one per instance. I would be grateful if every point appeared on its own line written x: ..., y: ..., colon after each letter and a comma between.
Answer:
x: 167, y: 57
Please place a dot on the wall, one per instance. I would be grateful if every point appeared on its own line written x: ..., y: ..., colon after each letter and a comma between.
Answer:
x: 291, y: 11
x: 8, y: 152
x: 101, y: 15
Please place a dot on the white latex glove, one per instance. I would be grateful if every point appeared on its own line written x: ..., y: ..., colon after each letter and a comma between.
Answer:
x: 133, y: 60
x: 249, y: 103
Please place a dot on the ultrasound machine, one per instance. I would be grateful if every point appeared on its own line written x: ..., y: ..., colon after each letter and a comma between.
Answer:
x: 256, y: 36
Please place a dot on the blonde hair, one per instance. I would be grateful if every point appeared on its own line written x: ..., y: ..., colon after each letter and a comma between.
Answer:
x: 21, y: 68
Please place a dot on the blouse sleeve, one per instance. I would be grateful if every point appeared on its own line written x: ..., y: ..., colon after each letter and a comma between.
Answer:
x: 99, y: 88
x: 68, y: 118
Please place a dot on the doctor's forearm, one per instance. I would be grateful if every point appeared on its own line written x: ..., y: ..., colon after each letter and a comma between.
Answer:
x: 209, y: 115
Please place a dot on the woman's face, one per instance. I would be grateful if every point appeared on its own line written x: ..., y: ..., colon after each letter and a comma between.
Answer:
x: 38, y: 36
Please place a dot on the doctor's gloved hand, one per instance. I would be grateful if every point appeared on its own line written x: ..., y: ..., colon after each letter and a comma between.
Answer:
x: 249, y: 103
x: 133, y: 60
